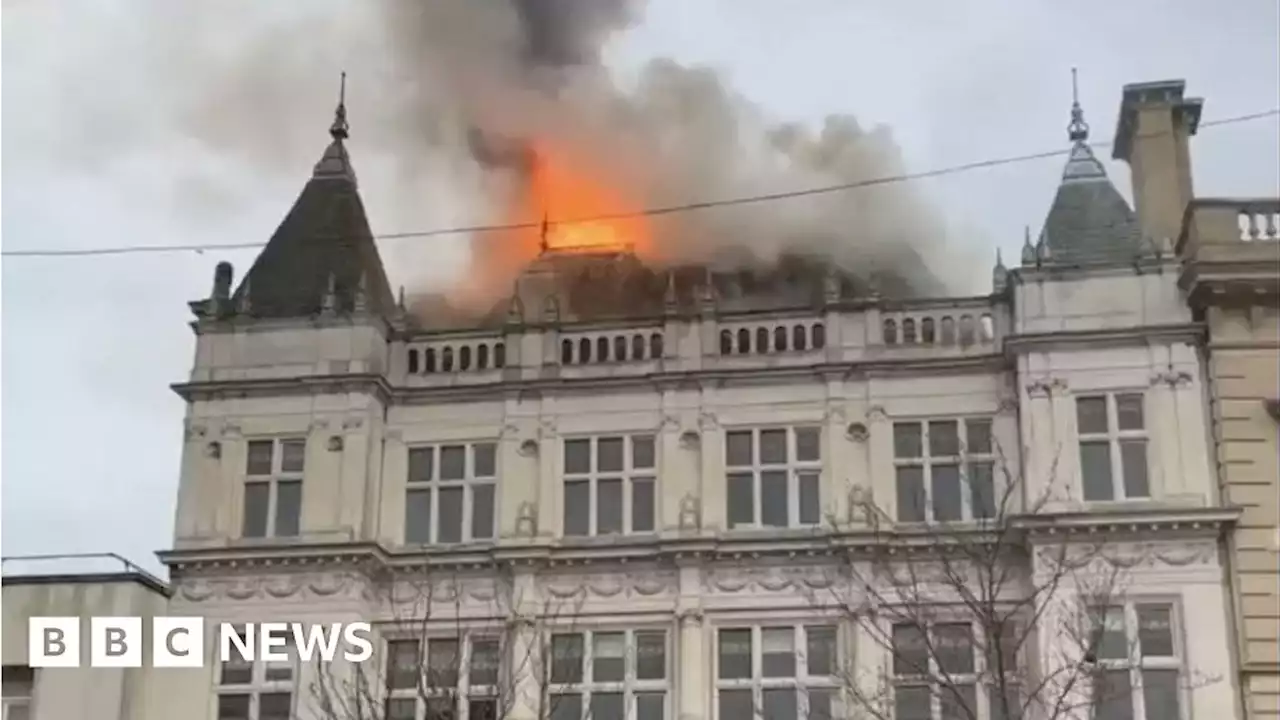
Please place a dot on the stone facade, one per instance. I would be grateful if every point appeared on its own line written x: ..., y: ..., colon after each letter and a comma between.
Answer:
x: 715, y: 510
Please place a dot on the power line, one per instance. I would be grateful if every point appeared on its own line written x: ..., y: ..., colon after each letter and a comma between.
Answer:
x: 651, y: 212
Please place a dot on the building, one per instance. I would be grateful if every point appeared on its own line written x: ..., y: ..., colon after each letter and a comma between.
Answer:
x: 798, y: 494
x: 1231, y: 275
x: 83, y: 587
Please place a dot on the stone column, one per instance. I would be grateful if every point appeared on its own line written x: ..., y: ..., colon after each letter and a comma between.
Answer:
x: 692, y: 668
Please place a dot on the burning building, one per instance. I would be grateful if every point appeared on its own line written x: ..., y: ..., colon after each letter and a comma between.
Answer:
x: 649, y: 485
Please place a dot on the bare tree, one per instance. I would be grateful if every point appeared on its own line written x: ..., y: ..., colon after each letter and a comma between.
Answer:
x: 449, y: 640
x: 974, y: 622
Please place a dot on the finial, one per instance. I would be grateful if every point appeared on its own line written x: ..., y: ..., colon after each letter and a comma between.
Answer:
x: 244, y: 307
x: 999, y: 274
x: 1028, y: 252
x: 1078, y: 130
x: 339, y: 128
x: 330, y: 303
x: 360, y: 301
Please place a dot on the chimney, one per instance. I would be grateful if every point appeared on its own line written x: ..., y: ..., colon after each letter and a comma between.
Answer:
x: 1152, y: 135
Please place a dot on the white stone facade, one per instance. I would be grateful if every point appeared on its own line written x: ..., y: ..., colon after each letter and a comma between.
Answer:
x: 1058, y: 363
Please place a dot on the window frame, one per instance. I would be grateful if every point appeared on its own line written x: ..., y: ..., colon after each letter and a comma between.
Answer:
x: 272, y: 481
x: 631, y: 684
x: 628, y: 475
x: 794, y: 468
x: 1134, y: 661
x: 25, y: 701
x: 981, y: 678
x: 468, y: 483
x: 259, y: 683
x: 964, y: 461
x: 1115, y: 437
x: 463, y: 692
x: 800, y: 681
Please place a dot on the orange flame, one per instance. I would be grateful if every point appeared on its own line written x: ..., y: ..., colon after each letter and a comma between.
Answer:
x: 586, y: 211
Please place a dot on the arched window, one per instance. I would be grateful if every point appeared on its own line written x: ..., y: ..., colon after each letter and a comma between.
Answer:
x: 446, y: 360
x: 890, y: 332
x: 655, y: 346
x: 464, y: 358
x: 584, y: 350
x: 988, y: 328
x: 637, y: 347
x: 429, y: 361
x: 482, y: 357
x: 819, y: 336
x: 762, y: 340
x: 799, y: 338
x: 909, y: 332
x: 619, y: 348
x: 966, y: 330
x: 726, y: 342
x: 566, y: 352
x: 744, y: 341
x: 926, y: 331
x: 413, y: 362
x: 602, y: 349
x: 780, y: 339
x: 948, y: 331
x: 499, y: 355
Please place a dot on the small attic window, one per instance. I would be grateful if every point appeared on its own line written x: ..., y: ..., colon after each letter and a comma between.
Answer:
x: 799, y: 338
x: 464, y: 358
x: 429, y: 360
x: 620, y: 348
x: 566, y: 352
x: 744, y: 341
x: 890, y: 332
x: 780, y: 338
x: 584, y: 351
x: 602, y: 349
x: 909, y: 332
x: 499, y: 355
x: 482, y: 357
x: 637, y: 347
x: 446, y: 360
x: 655, y: 346
x: 413, y: 361
x: 726, y: 342
x: 927, y: 331
x: 819, y: 336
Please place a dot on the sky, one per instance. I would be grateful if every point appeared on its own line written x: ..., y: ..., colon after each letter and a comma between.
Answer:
x: 103, y: 143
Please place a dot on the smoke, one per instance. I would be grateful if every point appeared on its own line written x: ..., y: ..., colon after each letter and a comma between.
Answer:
x: 445, y: 96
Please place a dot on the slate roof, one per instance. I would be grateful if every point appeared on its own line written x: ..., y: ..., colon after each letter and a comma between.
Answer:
x: 1089, y: 221
x: 325, y: 238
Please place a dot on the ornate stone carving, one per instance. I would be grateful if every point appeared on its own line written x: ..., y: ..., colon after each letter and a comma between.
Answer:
x: 547, y: 427
x: 1046, y: 387
x: 319, y: 424
x: 768, y: 579
x: 835, y: 413
x: 213, y: 450
x: 690, y: 440
x: 708, y: 421
x: 857, y: 432
x: 354, y: 422
x: 669, y: 423
x: 689, y: 616
x: 527, y: 520
x: 529, y: 448
x: 608, y: 586
x: 1007, y: 406
x: 194, y: 431
x: 876, y: 414
x: 1173, y: 378
x: 334, y: 443
x: 690, y: 512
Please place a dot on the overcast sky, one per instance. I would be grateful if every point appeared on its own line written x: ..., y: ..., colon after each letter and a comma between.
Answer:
x: 94, y: 157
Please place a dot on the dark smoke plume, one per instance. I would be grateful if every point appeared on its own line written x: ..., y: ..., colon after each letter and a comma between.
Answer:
x: 446, y: 94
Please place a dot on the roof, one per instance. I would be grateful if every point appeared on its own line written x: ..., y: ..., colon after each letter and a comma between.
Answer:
x: 323, y: 244
x: 1089, y: 221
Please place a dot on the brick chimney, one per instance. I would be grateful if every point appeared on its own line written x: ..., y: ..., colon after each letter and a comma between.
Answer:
x: 1152, y: 135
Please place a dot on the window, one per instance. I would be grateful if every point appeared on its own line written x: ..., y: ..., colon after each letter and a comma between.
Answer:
x: 1113, y: 446
x: 609, y: 485
x: 945, y: 470
x: 615, y: 675
x: 1138, y: 665
x: 273, y: 488
x: 451, y: 493
x: 15, y: 698
x: 778, y: 672
x: 440, y: 680
x: 935, y: 676
x: 772, y: 478
x: 256, y: 689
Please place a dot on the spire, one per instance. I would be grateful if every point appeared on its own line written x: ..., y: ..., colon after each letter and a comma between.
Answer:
x: 1078, y: 129
x: 999, y: 274
x: 1028, y: 252
x: 339, y: 129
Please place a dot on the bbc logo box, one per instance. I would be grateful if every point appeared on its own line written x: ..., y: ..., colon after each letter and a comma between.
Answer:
x: 54, y: 642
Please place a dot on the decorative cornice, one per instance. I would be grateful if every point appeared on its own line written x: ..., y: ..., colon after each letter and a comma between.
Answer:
x: 1105, y: 337
x: 1173, y: 378
x: 1047, y: 387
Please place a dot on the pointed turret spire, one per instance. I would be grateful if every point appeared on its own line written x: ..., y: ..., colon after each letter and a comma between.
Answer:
x: 1028, y: 251
x: 999, y: 274
x: 1078, y: 129
x: 339, y: 129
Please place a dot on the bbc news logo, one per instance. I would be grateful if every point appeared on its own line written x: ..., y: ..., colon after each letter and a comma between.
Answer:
x: 180, y: 641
